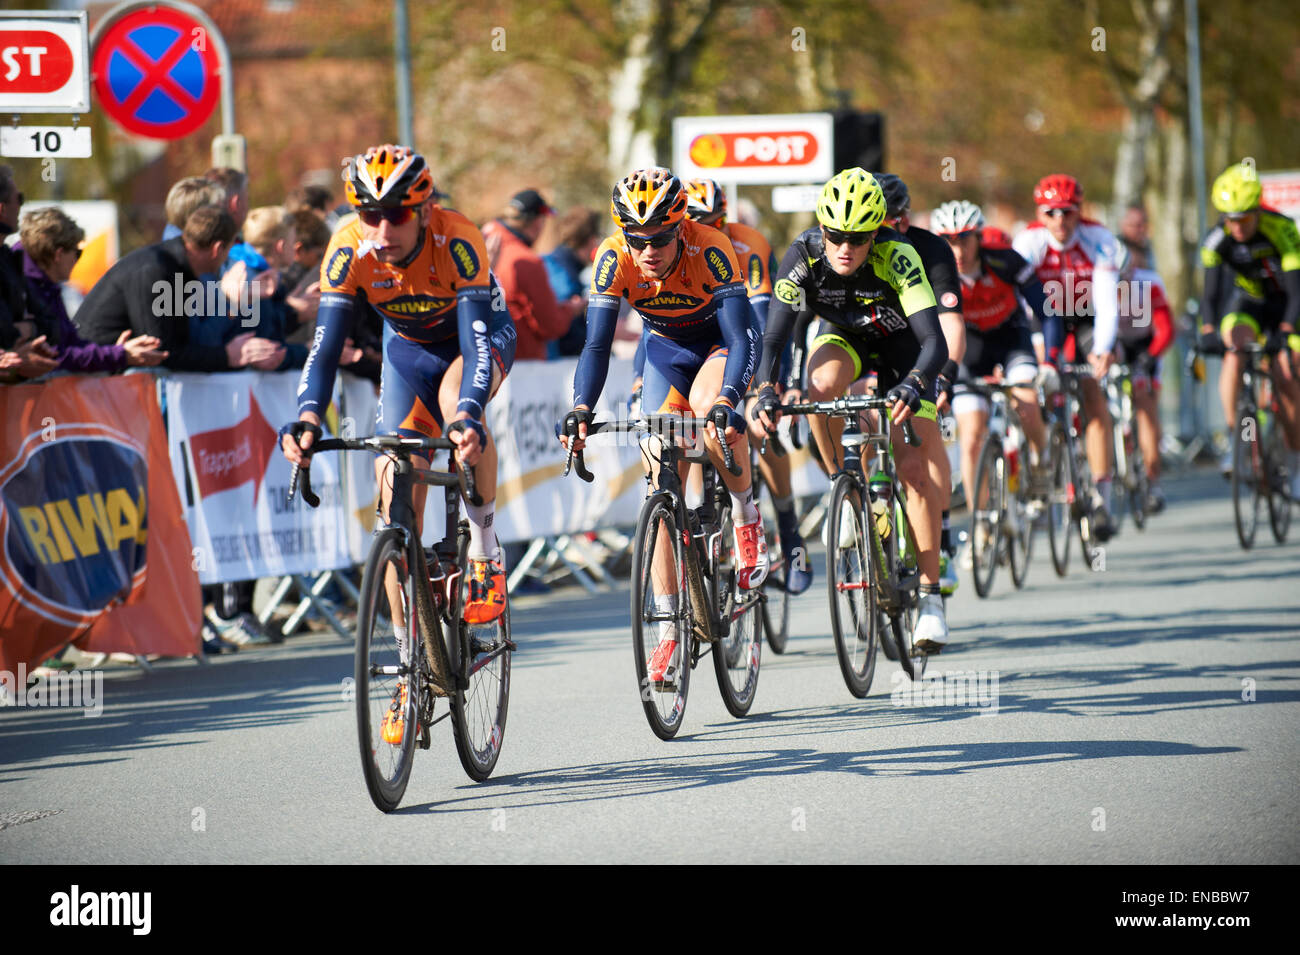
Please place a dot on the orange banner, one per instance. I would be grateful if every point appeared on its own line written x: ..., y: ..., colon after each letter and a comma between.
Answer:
x: 93, y: 545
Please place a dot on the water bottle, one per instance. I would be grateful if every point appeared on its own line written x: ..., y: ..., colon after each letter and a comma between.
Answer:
x: 882, y: 496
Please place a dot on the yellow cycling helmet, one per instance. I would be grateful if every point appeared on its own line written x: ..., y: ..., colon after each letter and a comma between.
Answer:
x: 1236, y: 190
x: 852, y: 202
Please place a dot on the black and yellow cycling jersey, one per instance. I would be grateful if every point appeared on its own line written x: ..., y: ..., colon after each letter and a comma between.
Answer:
x: 1256, y: 279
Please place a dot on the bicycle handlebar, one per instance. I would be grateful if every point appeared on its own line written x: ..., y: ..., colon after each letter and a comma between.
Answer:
x: 667, y: 426
x: 849, y: 406
x: 464, y: 477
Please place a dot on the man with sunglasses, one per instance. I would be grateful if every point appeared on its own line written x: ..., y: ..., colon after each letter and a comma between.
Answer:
x: 1252, y: 293
x: 877, y: 309
x: 447, y: 345
x: 998, y: 284
x: 941, y: 271
x: 700, y: 343
x: 1078, y: 262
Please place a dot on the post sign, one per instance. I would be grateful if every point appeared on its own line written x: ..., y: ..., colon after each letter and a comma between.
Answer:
x: 44, y: 63
x: 1282, y: 191
x: 780, y: 148
x: 157, y: 71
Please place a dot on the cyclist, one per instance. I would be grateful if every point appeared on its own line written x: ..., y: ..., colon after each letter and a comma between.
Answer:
x: 706, y: 203
x: 1146, y: 329
x: 997, y: 284
x: 867, y: 285
x: 1252, y: 293
x: 1079, y: 261
x: 700, y: 342
x: 941, y: 270
x: 446, y: 345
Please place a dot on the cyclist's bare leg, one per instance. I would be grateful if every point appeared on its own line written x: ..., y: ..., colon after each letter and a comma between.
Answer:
x: 1098, y: 429
x: 927, y: 478
x: 704, y: 392
x: 830, y: 372
x: 1230, y: 374
x: 972, y: 426
x: 485, y: 472
x: 1025, y: 401
x: 1147, y: 413
x: 1288, y: 396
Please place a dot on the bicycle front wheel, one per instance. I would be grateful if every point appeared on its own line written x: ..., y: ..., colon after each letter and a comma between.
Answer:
x: 661, y: 616
x: 481, y: 660
x: 776, y: 608
x: 851, y: 576
x: 737, y: 655
x: 1247, y: 487
x: 1021, y: 529
x: 386, y: 676
x: 1279, y: 490
x: 1060, y: 503
x: 987, y: 513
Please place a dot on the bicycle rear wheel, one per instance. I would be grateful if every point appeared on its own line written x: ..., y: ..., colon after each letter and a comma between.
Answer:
x: 1246, y: 474
x: 1139, y: 486
x: 1279, y: 490
x: 987, y: 510
x: 736, y: 657
x: 480, y: 656
x: 851, y: 577
x: 654, y: 623
x: 776, y: 608
x: 387, y: 683
x: 1021, y: 531
x: 1060, y: 503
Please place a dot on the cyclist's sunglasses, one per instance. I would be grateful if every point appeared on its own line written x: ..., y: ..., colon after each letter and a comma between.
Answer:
x: 960, y: 236
x: 1057, y: 213
x: 1237, y: 216
x: 398, y: 216
x: 836, y: 237
x: 657, y: 241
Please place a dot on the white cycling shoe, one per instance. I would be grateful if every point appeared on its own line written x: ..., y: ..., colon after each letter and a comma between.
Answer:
x: 931, y: 626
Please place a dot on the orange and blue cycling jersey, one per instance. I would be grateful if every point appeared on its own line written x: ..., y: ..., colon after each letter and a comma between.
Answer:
x: 441, y: 302
x: 696, y: 310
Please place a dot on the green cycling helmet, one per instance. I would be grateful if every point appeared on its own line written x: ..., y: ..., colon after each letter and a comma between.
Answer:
x: 1236, y: 190
x: 852, y: 202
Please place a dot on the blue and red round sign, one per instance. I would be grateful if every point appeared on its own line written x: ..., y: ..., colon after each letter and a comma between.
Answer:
x: 156, y: 73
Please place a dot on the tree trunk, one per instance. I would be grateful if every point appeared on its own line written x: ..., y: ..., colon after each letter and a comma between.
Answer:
x: 1155, y: 19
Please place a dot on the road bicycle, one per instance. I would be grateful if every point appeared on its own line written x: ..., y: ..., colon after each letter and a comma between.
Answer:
x: 1070, y: 502
x: 422, y: 592
x: 1002, y: 521
x: 776, y: 604
x: 1259, y: 478
x: 684, y: 575
x: 1131, y: 484
x: 873, y: 581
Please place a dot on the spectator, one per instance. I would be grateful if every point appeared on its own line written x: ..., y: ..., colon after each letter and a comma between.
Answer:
x: 1135, y: 233
x: 538, y: 317
x: 269, y: 236
x: 23, y: 354
x: 311, y: 236
x: 151, y: 292
x: 313, y: 199
x: 235, y: 185
x: 186, y: 196
x: 51, y: 245
x: 579, y: 238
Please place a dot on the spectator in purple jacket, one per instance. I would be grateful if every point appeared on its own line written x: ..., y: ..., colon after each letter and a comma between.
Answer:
x: 51, y: 245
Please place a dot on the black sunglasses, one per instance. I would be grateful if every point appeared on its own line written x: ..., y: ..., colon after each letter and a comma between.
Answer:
x: 657, y: 241
x: 836, y: 237
x: 76, y: 249
x: 1057, y: 213
x: 399, y: 216
x: 1236, y: 216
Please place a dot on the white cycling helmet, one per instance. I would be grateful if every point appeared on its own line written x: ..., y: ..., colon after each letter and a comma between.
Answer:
x: 956, y: 217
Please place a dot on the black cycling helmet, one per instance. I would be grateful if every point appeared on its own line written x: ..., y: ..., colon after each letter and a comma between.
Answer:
x: 897, y: 200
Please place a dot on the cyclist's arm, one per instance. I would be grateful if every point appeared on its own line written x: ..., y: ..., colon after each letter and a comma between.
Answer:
x: 917, y: 299
x: 934, y: 347
x: 741, y: 340
x: 333, y: 321
x: 473, y: 321
x: 1105, y: 299
x: 1162, y: 321
x: 593, y: 363
x: 789, y: 297
x: 1281, y: 231
x: 638, y: 360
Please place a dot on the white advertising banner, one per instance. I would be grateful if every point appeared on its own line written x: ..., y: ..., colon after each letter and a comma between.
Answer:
x: 222, y: 437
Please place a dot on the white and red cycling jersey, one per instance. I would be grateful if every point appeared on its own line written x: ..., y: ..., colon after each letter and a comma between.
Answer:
x: 1144, y: 314
x: 1080, y: 278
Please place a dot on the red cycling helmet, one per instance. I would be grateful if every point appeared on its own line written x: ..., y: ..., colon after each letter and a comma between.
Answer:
x: 1058, y: 192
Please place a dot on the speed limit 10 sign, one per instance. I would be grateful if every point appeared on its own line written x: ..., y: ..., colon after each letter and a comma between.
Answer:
x: 40, y: 142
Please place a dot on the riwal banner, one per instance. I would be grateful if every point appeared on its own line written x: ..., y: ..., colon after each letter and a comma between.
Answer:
x: 94, y: 546
x: 234, y: 481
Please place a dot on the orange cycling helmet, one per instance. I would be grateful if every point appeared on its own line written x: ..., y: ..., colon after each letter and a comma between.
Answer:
x: 1058, y: 192
x: 384, y: 177
x: 704, y: 198
x: 648, y: 197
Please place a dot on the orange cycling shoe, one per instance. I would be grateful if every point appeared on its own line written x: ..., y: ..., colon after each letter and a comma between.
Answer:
x: 395, y: 718
x: 751, y: 555
x: 487, y: 591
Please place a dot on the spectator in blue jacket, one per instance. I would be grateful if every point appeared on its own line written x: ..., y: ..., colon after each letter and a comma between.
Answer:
x: 579, y: 237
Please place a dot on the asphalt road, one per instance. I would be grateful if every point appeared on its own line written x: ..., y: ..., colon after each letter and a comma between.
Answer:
x: 1147, y: 713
